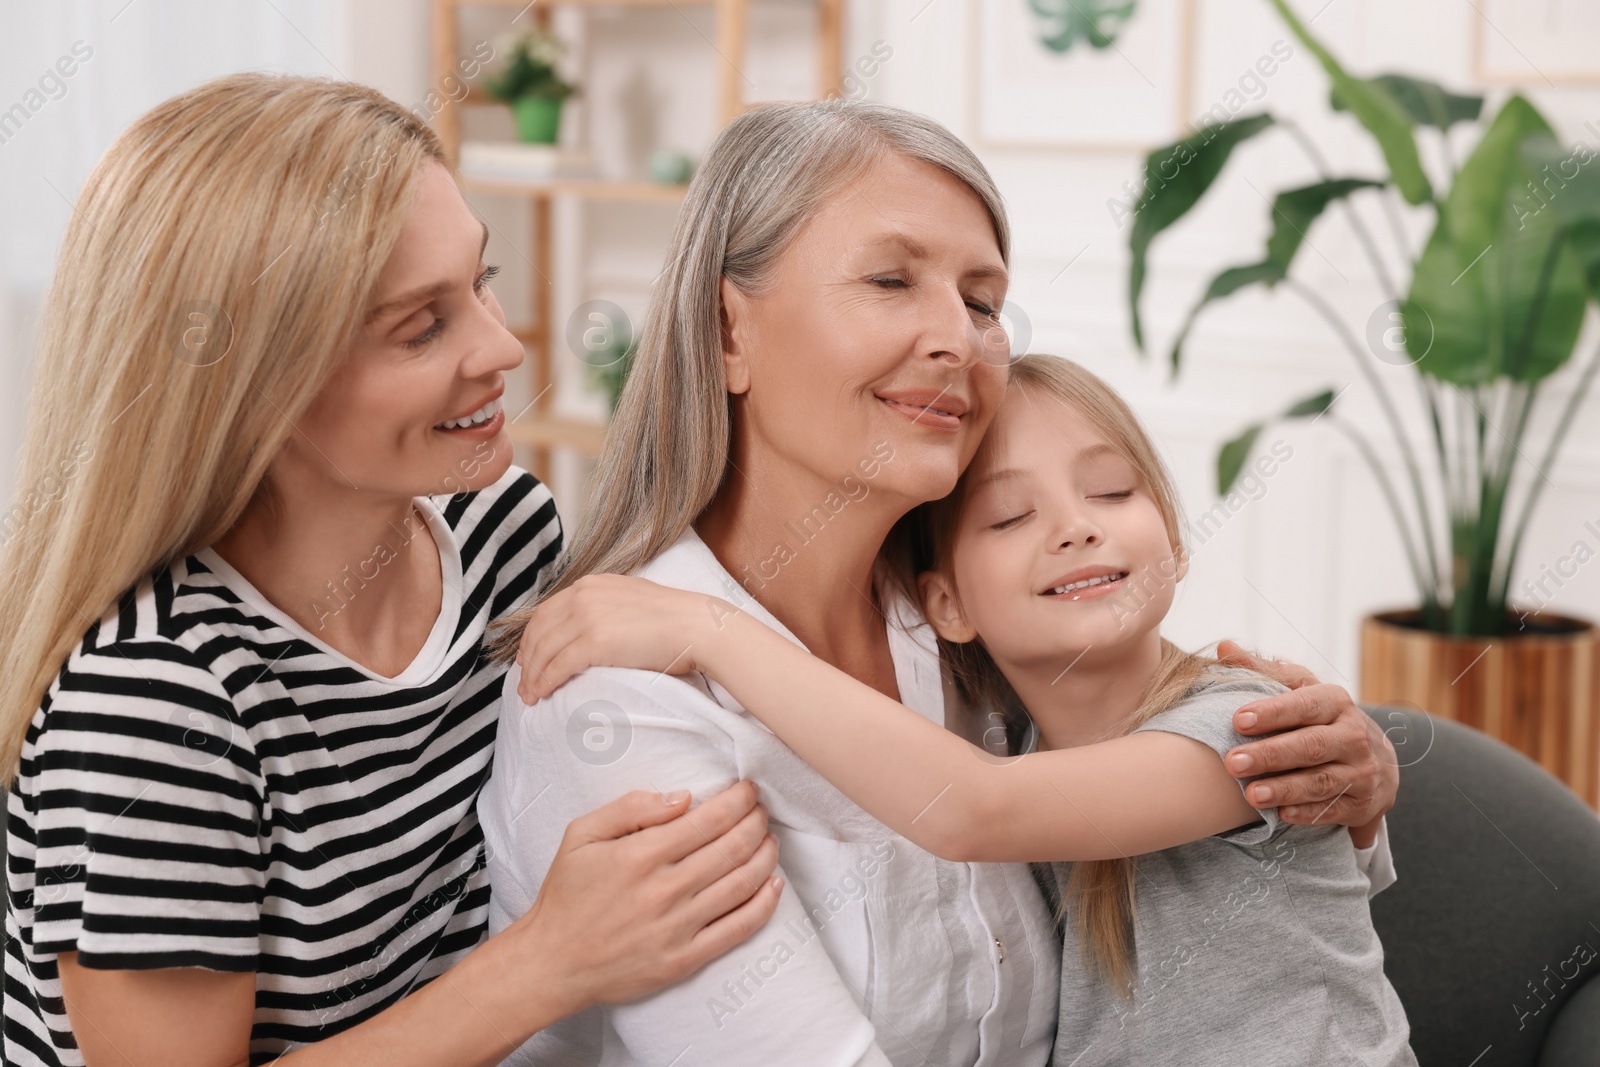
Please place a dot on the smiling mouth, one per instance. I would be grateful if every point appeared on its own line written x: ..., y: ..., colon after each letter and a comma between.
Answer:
x: 1075, y: 590
x: 474, y: 420
x: 925, y: 414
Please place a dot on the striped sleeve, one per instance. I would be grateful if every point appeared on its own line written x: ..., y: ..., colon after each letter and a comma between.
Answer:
x: 148, y: 802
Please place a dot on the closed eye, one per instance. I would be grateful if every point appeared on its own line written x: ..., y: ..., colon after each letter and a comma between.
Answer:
x: 1003, y: 523
x: 900, y: 283
x: 430, y: 334
x: 1121, y: 494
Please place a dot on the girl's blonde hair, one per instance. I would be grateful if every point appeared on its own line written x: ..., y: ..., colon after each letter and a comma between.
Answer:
x: 1100, y: 893
x: 666, y: 449
x: 217, y: 266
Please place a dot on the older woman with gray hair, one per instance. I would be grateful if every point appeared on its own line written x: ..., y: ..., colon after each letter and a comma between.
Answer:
x: 822, y: 354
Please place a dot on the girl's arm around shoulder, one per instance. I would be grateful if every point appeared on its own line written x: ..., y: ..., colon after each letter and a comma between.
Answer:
x: 1134, y: 794
x: 1130, y: 795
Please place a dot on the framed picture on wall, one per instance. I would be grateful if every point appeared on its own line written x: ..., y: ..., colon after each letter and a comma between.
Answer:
x: 1079, y: 74
x: 1535, y: 43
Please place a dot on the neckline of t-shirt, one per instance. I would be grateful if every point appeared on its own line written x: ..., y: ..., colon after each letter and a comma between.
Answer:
x: 429, y: 661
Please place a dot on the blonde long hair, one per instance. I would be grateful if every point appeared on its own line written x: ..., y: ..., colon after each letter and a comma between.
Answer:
x: 1100, y: 893
x: 666, y: 450
x: 215, y: 270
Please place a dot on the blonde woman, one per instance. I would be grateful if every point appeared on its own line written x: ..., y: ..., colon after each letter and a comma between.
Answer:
x: 823, y: 353
x: 247, y: 710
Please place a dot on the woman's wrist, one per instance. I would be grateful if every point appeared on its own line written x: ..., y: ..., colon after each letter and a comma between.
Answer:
x: 516, y: 983
x: 1366, y: 836
x: 474, y: 1015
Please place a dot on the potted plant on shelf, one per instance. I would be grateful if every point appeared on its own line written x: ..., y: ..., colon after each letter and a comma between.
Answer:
x: 529, y: 83
x: 608, y: 370
x: 1488, y: 310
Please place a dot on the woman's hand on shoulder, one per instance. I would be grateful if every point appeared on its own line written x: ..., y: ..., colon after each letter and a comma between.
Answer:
x: 1331, y: 764
x: 644, y: 891
x: 616, y: 620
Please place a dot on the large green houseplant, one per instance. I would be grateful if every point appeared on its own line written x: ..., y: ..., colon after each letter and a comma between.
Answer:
x: 1491, y: 308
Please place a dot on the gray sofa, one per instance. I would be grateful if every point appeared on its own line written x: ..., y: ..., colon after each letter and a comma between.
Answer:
x: 1492, y: 934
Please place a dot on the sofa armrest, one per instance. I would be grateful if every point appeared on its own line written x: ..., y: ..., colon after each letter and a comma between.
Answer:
x: 1573, y: 1039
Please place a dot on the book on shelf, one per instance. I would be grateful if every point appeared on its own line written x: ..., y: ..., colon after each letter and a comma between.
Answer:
x: 516, y: 161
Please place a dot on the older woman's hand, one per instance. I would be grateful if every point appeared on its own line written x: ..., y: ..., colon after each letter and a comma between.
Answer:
x: 1333, y: 765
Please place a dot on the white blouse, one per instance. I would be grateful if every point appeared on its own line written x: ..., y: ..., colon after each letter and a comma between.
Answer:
x: 879, y: 953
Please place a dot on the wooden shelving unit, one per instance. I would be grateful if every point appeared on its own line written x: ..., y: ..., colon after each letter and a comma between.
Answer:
x: 540, y: 430
x: 602, y: 190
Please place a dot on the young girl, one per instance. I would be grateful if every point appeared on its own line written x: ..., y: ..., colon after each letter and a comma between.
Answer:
x: 1234, y: 936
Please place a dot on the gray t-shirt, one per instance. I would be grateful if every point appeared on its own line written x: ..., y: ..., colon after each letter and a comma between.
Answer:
x: 1253, y: 946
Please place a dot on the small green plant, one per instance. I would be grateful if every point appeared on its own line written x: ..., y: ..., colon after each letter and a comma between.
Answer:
x: 1492, y: 308
x: 530, y: 69
x: 609, y: 371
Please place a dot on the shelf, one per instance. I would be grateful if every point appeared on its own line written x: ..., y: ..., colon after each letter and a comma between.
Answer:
x: 538, y: 430
x: 539, y: 433
x: 593, y: 188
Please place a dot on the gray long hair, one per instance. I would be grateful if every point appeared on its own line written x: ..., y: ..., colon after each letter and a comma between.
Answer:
x: 768, y: 172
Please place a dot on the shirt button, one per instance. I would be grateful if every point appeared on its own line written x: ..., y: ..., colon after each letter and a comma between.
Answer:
x: 1000, y: 947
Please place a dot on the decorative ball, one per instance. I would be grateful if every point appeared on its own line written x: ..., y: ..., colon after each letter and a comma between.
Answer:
x: 670, y: 167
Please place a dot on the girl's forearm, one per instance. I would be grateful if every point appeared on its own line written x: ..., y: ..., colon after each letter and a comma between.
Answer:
x: 952, y: 798
x: 890, y: 760
x: 473, y: 1015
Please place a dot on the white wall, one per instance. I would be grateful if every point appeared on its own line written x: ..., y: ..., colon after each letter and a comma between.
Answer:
x: 1291, y: 572
x: 140, y: 53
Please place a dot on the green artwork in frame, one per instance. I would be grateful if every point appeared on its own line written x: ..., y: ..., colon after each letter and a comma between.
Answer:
x: 1096, y: 75
x: 1065, y: 24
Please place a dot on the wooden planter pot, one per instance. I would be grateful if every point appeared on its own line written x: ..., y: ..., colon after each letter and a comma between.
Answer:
x: 1537, y: 689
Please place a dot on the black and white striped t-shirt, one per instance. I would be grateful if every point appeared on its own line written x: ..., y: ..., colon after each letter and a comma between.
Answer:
x: 207, y: 784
